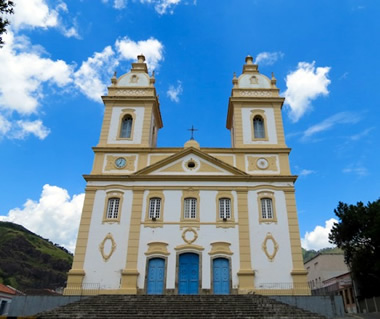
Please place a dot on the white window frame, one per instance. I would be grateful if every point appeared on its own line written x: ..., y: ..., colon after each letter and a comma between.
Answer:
x: 224, y: 208
x: 267, y: 208
x: 154, y: 208
x: 190, y: 208
x: 113, y: 208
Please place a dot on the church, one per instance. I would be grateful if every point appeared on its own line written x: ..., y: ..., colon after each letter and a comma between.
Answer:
x: 191, y: 219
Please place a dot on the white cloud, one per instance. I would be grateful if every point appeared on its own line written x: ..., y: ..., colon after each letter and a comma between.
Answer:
x: 22, y: 73
x: 305, y: 84
x: 359, y: 136
x: 152, y: 49
x: 5, y: 126
x: 356, y: 169
x: 268, y: 58
x: 25, y: 71
x: 25, y: 128
x: 174, y: 92
x: 330, y: 122
x: 54, y: 216
x: 306, y: 172
x: 90, y: 78
x: 163, y: 6
x: 319, y: 237
x: 33, y: 13
x: 119, y: 4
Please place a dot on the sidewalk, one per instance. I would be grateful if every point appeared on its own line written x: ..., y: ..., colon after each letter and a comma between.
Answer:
x: 372, y: 315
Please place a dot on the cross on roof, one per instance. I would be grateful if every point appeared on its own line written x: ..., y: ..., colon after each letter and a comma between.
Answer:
x: 192, y: 129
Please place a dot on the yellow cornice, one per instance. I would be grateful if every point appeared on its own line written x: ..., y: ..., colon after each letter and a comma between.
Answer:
x: 246, y: 150
x: 201, y: 178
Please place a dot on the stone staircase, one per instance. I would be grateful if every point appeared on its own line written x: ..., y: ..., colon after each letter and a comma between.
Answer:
x: 197, y: 306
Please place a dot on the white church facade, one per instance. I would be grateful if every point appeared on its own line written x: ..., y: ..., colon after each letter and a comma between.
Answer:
x: 189, y: 220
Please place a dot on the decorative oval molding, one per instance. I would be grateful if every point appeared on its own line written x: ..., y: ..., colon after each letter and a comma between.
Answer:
x: 103, y: 247
x: 269, y: 238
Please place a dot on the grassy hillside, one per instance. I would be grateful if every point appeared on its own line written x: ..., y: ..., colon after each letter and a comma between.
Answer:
x: 30, y: 261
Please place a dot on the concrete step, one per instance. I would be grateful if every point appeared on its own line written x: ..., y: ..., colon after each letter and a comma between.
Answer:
x: 197, y: 306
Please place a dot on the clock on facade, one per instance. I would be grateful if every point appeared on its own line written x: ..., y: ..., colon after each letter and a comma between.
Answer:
x: 120, y: 162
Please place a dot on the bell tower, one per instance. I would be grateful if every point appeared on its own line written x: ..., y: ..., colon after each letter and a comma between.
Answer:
x: 132, y: 115
x: 254, y: 110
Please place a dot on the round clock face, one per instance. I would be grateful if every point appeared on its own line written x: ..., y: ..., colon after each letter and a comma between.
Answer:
x: 120, y: 162
x: 262, y: 163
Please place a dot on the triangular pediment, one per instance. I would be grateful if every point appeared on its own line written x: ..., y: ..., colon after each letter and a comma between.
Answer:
x: 191, y: 161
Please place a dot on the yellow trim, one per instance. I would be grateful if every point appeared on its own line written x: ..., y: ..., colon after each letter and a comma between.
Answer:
x: 220, y: 248
x: 157, y: 248
x: 76, y: 274
x: 130, y: 273
x: 148, y: 222
x: 189, y: 247
x: 260, y: 113
x: 112, y: 194
x: 270, y: 195
x: 246, y: 273
x: 123, y: 114
x: 230, y: 222
x: 190, y: 193
x: 113, y: 247
x: 299, y: 274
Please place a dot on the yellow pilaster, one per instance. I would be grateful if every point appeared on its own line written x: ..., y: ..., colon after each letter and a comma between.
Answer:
x: 130, y: 273
x: 246, y: 273
x: 299, y: 274
x: 76, y: 274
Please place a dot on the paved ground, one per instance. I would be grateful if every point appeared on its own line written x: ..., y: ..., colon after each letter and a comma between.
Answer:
x: 373, y: 315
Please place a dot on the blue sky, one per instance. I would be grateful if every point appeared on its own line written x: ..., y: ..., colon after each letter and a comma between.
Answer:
x: 59, y: 57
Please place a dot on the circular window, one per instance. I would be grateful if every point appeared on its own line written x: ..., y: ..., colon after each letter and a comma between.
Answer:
x: 190, y: 164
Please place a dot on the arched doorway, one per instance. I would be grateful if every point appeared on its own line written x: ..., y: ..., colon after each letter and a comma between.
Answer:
x: 188, y: 274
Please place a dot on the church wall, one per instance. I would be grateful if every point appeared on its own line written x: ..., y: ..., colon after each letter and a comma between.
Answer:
x: 247, y: 126
x: 115, y: 126
x: 276, y: 270
x: 107, y: 272
x: 173, y: 236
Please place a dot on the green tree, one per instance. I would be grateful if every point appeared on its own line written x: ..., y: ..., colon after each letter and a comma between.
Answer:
x: 358, y: 234
x: 6, y: 7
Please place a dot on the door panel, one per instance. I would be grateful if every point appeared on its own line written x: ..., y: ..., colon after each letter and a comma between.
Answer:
x: 156, y: 275
x: 221, y: 280
x: 188, y: 277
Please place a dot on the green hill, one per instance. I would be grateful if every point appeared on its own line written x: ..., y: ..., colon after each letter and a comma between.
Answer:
x: 28, y: 261
x: 308, y: 254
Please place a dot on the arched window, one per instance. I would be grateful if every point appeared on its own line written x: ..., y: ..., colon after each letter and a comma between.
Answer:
x: 190, y: 208
x: 126, y: 126
x: 154, y: 208
x: 224, y: 208
x: 113, y: 208
x: 266, y: 208
x: 258, y: 127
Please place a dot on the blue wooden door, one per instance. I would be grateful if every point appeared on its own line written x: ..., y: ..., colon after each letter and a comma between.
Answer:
x: 221, y: 281
x: 188, y: 274
x: 156, y: 275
